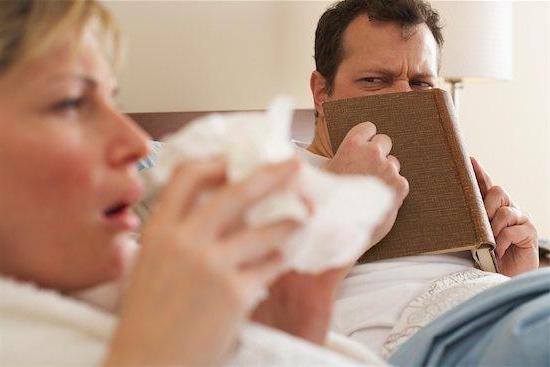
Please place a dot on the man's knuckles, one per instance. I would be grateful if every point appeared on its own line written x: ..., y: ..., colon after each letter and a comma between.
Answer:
x: 497, y: 194
x: 402, y: 187
x: 384, y: 142
x: 495, y: 198
x: 364, y: 130
x: 505, y: 216
x: 393, y: 160
x: 398, y: 184
x: 355, y: 143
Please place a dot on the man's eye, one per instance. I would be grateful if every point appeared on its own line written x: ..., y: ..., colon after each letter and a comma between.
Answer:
x: 421, y: 85
x: 69, y: 104
x: 372, y: 81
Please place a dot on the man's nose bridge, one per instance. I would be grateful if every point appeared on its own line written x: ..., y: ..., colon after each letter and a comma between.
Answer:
x: 402, y: 85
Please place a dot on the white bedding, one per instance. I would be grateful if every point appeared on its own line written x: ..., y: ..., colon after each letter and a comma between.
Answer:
x: 44, y: 328
x: 374, y: 295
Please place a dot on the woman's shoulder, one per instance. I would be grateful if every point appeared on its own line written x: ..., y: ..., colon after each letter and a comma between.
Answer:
x: 42, y: 326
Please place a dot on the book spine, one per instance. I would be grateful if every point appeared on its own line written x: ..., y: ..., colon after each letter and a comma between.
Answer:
x: 472, y: 195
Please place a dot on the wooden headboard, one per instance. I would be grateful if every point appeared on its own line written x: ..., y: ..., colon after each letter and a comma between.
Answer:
x: 158, y: 124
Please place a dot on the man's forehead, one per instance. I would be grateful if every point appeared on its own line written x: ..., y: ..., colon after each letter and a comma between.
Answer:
x: 381, y: 41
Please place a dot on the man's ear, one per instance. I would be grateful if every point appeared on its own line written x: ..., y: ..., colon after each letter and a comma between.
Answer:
x: 318, y: 86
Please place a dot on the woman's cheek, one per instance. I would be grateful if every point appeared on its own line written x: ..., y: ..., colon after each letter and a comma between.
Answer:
x: 76, y: 170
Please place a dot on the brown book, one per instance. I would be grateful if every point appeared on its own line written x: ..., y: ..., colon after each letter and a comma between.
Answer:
x: 444, y: 211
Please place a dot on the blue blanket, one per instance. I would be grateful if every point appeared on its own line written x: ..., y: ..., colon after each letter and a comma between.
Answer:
x: 508, y: 325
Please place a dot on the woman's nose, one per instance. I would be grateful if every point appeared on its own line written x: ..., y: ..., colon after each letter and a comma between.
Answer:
x: 130, y: 144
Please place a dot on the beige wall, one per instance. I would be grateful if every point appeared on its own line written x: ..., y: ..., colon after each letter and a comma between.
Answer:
x: 507, y: 124
x: 215, y: 55
x: 185, y: 55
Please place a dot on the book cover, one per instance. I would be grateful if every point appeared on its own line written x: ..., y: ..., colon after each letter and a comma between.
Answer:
x: 444, y: 211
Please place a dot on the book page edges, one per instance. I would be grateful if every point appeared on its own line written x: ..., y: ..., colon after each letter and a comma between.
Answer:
x: 483, y: 250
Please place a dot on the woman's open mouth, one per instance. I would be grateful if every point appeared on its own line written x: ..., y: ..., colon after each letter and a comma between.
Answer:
x: 120, y: 217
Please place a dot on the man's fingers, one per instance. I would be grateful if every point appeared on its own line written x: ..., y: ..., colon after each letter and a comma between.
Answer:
x: 392, y: 178
x: 393, y: 160
x: 483, y: 179
x: 227, y: 206
x: 360, y: 134
x: 188, y: 180
x: 402, y: 187
x: 384, y: 142
x: 507, y: 216
x: 495, y: 198
x: 520, y: 236
x: 253, y: 244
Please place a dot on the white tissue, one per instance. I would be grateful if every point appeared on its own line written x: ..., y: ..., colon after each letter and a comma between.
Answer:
x: 345, y: 208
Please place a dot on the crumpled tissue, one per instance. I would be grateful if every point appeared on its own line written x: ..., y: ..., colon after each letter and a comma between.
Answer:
x: 346, y: 208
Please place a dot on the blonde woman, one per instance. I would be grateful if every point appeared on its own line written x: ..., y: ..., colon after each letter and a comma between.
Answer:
x: 67, y: 182
x: 66, y: 185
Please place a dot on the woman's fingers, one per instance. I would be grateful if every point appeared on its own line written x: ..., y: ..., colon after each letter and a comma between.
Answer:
x: 255, y: 280
x: 267, y: 271
x: 228, y: 204
x: 188, y: 181
x: 254, y: 244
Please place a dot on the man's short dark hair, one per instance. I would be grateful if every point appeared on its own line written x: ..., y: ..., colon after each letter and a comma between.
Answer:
x: 329, y: 49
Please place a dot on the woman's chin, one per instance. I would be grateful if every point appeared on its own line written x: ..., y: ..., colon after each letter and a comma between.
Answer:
x: 115, y: 265
x: 126, y: 251
x: 112, y: 266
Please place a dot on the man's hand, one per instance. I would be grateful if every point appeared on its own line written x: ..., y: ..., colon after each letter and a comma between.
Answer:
x: 363, y: 152
x: 301, y: 304
x: 515, y: 234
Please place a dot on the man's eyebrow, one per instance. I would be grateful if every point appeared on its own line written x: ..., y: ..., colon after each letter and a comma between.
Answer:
x: 423, y: 76
x: 379, y: 70
x: 387, y: 71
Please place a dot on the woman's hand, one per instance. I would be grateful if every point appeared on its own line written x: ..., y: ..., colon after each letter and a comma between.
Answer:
x: 200, y: 271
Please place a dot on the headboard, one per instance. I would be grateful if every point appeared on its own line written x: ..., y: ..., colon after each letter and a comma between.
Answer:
x: 158, y: 124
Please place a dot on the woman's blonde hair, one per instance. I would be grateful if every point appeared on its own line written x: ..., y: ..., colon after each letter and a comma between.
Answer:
x: 28, y: 28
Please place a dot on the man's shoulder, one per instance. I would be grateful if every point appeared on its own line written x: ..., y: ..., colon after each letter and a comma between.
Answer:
x: 312, y: 158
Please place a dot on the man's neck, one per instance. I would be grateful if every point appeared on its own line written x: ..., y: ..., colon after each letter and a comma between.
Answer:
x: 321, y: 142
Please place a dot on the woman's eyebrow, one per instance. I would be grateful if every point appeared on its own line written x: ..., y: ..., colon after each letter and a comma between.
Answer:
x: 88, y: 81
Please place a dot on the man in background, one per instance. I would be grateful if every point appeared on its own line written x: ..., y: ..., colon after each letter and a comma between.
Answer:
x: 366, y: 47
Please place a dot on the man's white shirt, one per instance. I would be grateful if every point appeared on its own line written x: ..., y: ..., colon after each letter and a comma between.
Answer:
x: 374, y: 295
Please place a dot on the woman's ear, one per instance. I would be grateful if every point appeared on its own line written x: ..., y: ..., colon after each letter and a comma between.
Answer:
x: 318, y: 86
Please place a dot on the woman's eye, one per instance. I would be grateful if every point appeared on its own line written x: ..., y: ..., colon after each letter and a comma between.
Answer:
x: 69, y: 104
x: 421, y: 85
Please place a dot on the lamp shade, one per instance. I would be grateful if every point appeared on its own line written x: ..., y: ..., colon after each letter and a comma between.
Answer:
x: 478, y: 39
